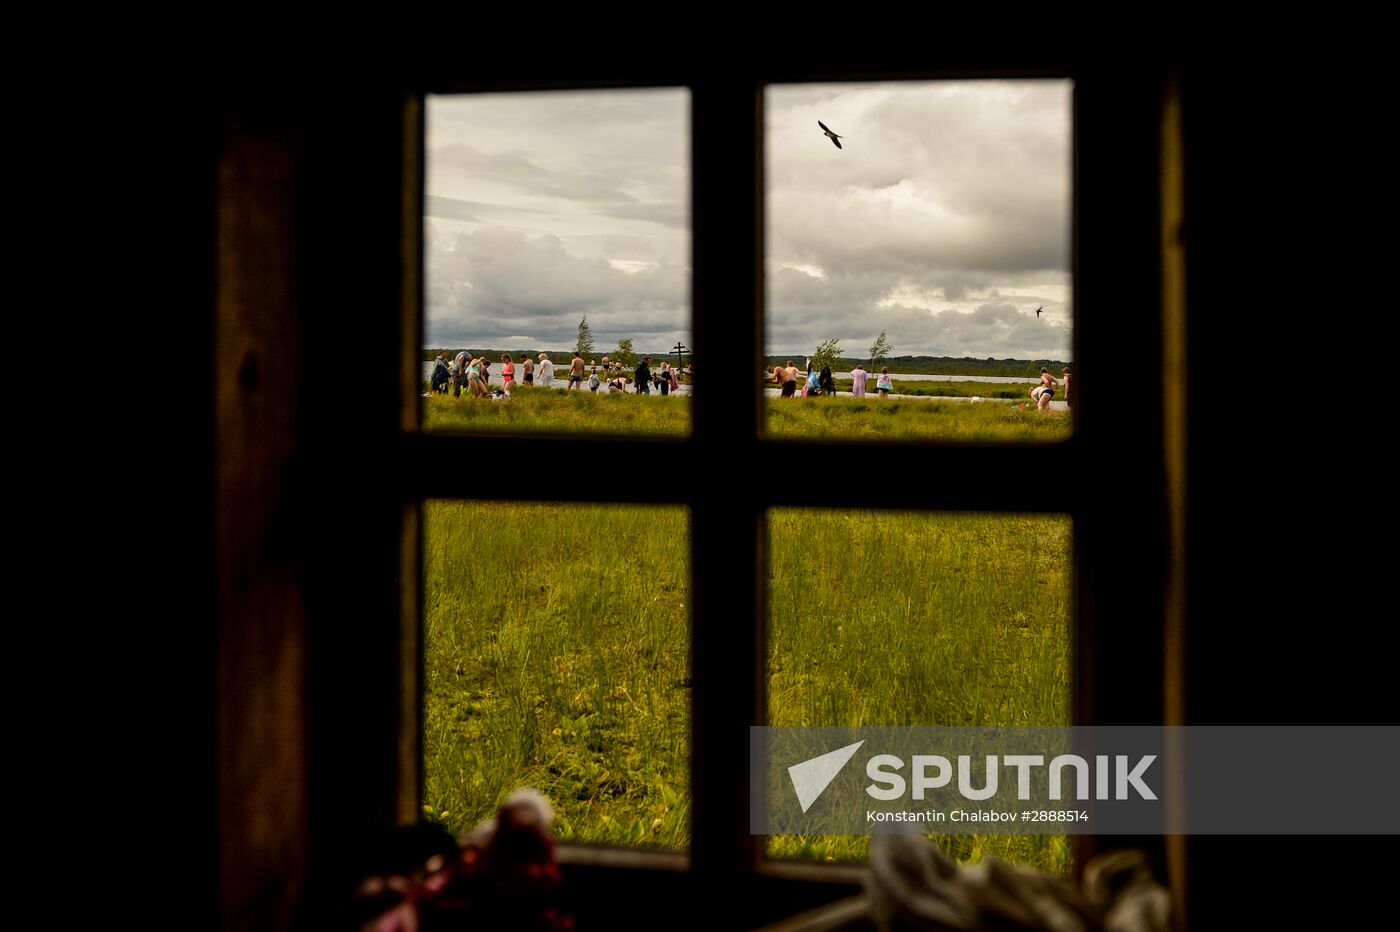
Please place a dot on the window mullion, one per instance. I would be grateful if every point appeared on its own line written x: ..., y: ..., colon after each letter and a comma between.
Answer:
x: 728, y: 559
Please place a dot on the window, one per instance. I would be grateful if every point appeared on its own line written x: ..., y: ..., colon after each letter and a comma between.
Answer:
x: 320, y: 530
x: 556, y: 229
x: 729, y: 532
x: 928, y: 253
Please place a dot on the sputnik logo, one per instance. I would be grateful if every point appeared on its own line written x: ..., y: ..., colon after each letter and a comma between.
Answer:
x: 811, y: 777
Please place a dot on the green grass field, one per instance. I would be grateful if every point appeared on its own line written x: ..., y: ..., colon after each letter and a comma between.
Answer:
x: 581, y: 412
x: 557, y: 659
x: 884, y: 618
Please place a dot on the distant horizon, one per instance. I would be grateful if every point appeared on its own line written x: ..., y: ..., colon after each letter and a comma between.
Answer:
x: 1043, y: 360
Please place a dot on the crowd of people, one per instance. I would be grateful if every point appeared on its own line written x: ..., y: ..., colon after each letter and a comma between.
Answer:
x: 471, y: 374
x: 793, y: 385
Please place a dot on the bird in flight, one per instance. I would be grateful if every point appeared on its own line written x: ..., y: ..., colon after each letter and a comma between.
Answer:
x: 832, y: 136
x: 1037, y: 310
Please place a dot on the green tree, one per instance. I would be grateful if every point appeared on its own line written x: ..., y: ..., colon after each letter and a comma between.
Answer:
x: 880, y: 351
x: 827, y: 354
x: 624, y: 353
x: 584, y: 346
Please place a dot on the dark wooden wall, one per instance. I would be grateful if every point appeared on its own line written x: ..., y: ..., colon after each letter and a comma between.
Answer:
x: 286, y: 186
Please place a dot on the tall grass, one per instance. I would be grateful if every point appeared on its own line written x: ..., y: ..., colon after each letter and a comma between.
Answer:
x: 551, y: 410
x: 918, y: 419
x: 541, y: 410
x: 879, y: 618
x: 557, y: 639
x: 557, y: 656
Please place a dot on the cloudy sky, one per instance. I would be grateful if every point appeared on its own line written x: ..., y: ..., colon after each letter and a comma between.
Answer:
x: 944, y: 219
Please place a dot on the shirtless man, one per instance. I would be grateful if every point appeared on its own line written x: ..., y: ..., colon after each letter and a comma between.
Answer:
x: 790, y: 375
x: 1045, y: 391
x: 528, y: 371
x: 576, y: 372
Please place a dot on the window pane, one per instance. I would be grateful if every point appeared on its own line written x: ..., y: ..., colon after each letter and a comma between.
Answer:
x: 557, y: 656
x: 558, y: 227
x: 903, y: 618
x: 923, y: 235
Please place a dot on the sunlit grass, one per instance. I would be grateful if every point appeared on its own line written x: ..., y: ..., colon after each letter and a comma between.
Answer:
x: 540, y: 410
x: 548, y: 410
x: 557, y: 658
x: 557, y: 635
x: 922, y: 419
x: 881, y: 618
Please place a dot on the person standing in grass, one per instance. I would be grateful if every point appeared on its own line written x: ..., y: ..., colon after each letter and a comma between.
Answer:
x: 883, y: 383
x: 460, y: 377
x: 474, y: 377
x: 643, y: 376
x: 789, y: 378
x: 507, y: 372
x: 576, y: 372
x: 1047, y: 390
x: 442, y: 373
x: 593, y: 382
x: 527, y: 370
x: 827, y: 383
x: 546, y: 371
x: 1069, y: 388
x: 858, y: 377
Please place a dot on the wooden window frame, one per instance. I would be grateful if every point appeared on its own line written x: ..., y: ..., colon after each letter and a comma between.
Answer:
x: 351, y: 599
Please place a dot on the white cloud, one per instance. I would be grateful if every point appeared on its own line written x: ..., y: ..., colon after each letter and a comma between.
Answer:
x: 944, y: 219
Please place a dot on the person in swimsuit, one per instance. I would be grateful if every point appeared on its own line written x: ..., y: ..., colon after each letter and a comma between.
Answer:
x: 1069, y: 388
x: 527, y: 366
x: 507, y: 372
x: 576, y: 372
x: 618, y: 385
x: 474, y: 377
x: 1046, y: 390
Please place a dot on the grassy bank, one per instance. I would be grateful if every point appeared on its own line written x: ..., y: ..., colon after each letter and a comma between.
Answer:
x: 582, y: 412
x: 558, y: 659
x: 892, y: 419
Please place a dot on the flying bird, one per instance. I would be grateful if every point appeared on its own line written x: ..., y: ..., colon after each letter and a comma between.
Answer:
x: 832, y: 136
x: 1037, y: 310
